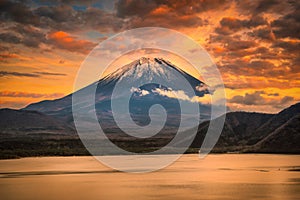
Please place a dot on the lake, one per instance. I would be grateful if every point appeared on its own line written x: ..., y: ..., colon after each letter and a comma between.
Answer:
x: 218, y: 176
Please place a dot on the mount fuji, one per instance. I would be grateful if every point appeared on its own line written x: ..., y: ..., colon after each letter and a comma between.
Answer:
x: 149, y: 70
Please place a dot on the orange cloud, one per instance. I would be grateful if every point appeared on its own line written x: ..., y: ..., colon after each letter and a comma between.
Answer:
x: 29, y: 95
x: 4, y: 57
x: 160, y: 10
x: 64, y: 40
x: 15, y: 104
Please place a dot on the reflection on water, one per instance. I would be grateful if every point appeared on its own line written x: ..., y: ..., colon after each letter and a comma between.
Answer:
x: 226, y: 176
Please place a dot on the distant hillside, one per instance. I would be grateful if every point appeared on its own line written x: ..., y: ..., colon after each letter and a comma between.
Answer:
x: 32, y: 133
x: 284, y: 139
x: 273, y: 123
x: 257, y: 132
x: 30, y: 122
x: 238, y: 129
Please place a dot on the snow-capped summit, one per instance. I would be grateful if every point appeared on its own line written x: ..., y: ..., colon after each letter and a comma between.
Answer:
x: 150, y: 70
x: 147, y: 67
x: 143, y: 60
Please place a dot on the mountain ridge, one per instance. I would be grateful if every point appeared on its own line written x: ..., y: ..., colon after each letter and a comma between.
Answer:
x: 234, y: 137
x: 29, y: 122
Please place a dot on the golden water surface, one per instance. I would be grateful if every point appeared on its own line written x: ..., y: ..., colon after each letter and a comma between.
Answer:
x: 223, y: 176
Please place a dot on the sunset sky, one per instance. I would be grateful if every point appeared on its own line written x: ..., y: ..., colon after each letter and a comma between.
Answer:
x: 255, y: 44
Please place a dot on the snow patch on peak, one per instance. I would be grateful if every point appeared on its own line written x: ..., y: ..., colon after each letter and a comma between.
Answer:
x: 144, y: 68
x: 144, y: 60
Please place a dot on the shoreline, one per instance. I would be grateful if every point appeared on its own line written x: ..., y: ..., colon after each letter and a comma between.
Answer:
x: 213, y: 153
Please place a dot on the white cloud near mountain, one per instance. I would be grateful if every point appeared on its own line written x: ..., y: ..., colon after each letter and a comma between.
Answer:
x: 174, y: 94
x: 139, y: 91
